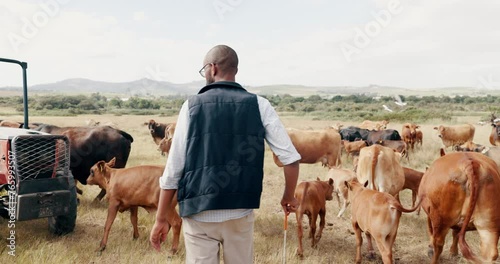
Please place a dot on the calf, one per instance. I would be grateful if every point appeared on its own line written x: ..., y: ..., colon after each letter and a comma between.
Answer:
x: 353, y: 148
x: 412, y: 182
x: 312, y: 197
x: 419, y: 138
x: 376, y: 214
x: 340, y: 176
x: 166, y: 142
x: 128, y: 189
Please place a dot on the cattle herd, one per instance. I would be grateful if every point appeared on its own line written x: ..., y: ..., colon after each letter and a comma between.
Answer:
x: 457, y: 191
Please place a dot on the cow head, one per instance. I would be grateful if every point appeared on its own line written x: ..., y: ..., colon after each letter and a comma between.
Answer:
x: 152, y: 126
x: 441, y: 130
x: 328, y: 188
x: 99, y: 174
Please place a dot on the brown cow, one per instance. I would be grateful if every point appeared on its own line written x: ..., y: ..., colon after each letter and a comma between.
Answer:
x: 396, y: 145
x: 460, y: 191
x: 312, y: 197
x: 379, y: 166
x: 376, y: 214
x: 419, y: 139
x: 412, y: 182
x: 128, y: 189
x: 166, y: 142
x: 374, y: 125
x: 8, y: 123
x: 340, y: 176
x: 470, y: 146
x: 455, y: 135
x: 15, y: 124
x: 315, y: 146
x: 353, y: 148
x: 409, y: 134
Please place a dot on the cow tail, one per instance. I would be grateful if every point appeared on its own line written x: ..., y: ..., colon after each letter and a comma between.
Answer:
x: 400, y: 207
x: 473, y: 179
x: 376, y: 152
x: 304, y: 193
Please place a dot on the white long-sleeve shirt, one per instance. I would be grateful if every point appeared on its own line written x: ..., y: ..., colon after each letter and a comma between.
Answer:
x: 275, y: 135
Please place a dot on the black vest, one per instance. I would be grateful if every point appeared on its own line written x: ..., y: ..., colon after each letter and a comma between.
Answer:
x: 225, y: 151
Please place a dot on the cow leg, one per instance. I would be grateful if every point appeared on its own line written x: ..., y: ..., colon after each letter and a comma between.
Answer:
x: 439, y: 236
x: 133, y: 219
x: 371, y: 252
x: 344, y: 206
x: 322, y: 214
x: 100, y: 195
x: 489, y: 242
x: 383, y: 245
x: 430, y: 250
x: 175, y: 222
x: 454, y: 243
x: 300, y: 233
x: 112, y: 211
x: 359, y: 242
x: 413, y: 200
x: 312, y: 225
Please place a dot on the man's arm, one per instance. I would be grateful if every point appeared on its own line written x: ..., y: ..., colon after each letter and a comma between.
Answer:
x: 288, y: 202
x: 161, y: 227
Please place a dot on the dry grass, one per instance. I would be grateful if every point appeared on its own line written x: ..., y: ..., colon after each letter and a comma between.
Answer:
x: 337, y: 245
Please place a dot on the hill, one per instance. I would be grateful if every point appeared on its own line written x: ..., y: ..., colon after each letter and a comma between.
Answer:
x: 152, y: 88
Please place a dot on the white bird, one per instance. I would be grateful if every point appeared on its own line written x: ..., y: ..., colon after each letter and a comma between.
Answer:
x: 399, y: 101
x: 387, y: 108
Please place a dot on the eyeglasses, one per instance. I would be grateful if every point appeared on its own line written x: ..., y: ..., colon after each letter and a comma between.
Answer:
x: 202, y: 71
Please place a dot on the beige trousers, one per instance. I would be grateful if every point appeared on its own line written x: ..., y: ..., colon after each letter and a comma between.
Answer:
x: 203, y: 240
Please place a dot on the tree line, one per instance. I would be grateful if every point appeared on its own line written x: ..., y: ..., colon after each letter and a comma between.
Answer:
x: 338, y: 107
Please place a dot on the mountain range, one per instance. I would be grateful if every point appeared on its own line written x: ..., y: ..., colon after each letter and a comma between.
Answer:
x: 152, y: 88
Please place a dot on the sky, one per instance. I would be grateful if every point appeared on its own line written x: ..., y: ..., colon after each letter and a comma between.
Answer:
x: 404, y: 43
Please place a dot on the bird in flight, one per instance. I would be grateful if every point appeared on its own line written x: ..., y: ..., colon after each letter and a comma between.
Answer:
x: 387, y: 108
x: 399, y: 101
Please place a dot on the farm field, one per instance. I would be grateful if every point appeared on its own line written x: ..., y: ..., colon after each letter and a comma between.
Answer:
x: 34, y: 244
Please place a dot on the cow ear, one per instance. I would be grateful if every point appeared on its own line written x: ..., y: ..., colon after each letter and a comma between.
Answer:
x: 101, y: 166
x: 112, y: 162
x: 347, y: 185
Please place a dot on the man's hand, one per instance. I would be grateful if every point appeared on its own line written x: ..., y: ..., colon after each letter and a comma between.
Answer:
x: 159, y: 234
x: 289, y: 205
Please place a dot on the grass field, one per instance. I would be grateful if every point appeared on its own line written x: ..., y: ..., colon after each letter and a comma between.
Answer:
x: 34, y: 244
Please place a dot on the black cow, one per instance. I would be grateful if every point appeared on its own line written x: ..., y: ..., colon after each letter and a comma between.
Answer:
x: 351, y: 133
x: 387, y: 134
x: 88, y: 145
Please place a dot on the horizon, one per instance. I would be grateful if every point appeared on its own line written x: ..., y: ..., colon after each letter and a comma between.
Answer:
x: 254, y: 86
x: 320, y: 43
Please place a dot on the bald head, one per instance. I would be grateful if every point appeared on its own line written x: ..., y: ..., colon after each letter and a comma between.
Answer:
x: 226, y: 61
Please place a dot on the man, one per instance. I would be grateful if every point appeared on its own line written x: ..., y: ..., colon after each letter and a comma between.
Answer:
x: 216, y: 165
